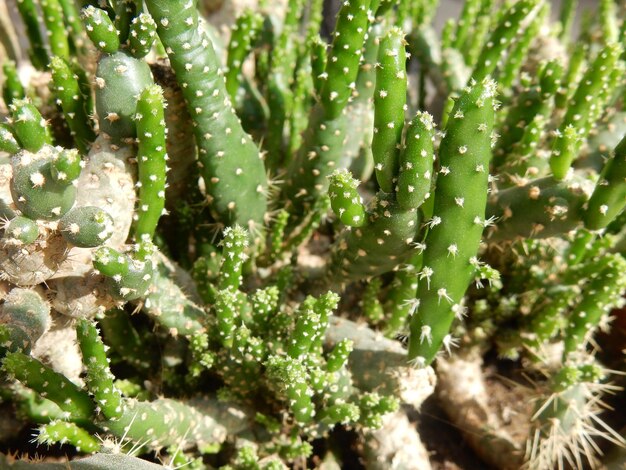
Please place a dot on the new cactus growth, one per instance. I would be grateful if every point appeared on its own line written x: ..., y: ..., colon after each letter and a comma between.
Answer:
x: 253, y: 257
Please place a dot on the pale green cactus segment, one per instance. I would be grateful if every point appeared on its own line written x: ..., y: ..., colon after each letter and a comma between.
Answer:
x: 55, y: 28
x: 416, y: 162
x: 8, y: 142
x: 372, y: 408
x: 62, y: 432
x: 342, y: 65
x: 243, y: 36
x: 345, y: 199
x: 26, y: 310
x: 35, y: 192
x: 574, y: 69
x: 265, y: 303
x: 142, y: 35
x: 231, y: 164
x: 12, y: 88
x: 166, y: 422
x: 227, y: 313
x: 602, y: 293
x: 151, y: 160
x: 477, y: 39
x: 592, y: 85
x: 566, y: 18
x: 120, y: 78
x: 74, y: 105
x: 21, y: 230
x: 466, y: 23
x: 457, y: 223
x: 542, y: 208
x: 509, y: 27
x: 99, y: 377
x: 401, y: 296
x: 447, y: 33
x: 30, y: 17
x: 293, y: 377
x: 129, y: 278
x: 383, y: 243
x: 608, y: 21
x: 338, y: 356
x: 609, y: 196
x: 74, y: 24
x: 342, y: 413
x: 76, y: 403
x: 234, y: 245
x: 389, y: 105
x: 100, y: 29
x: 29, y: 126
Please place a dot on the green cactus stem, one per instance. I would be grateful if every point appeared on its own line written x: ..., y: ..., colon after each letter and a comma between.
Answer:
x: 345, y: 200
x: 244, y: 34
x: 61, y: 432
x: 151, y: 160
x: 8, y: 142
x: 578, y: 112
x: 21, y: 230
x: 540, y: 209
x: 12, y: 88
x: 75, y: 402
x: 230, y: 162
x: 100, y: 29
x: 416, y: 162
x: 86, y: 227
x: 55, y: 28
x: 120, y: 78
x: 30, y: 17
x: 28, y: 125
x: 389, y: 103
x: 292, y: 375
x: 25, y: 310
x: 99, y: 377
x: 142, y: 35
x: 234, y: 245
x: 460, y: 200
x: 609, y: 196
x: 124, y: 339
x: 73, y: 103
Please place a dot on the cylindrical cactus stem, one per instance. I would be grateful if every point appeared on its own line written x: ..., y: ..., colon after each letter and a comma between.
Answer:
x: 602, y: 293
x: 226, y: 312
x: 142, y: 35
x: 318, y: 62
x: 86, y: 227
x: 231, y: 165
x: 62, y: 432
x: 308, y: 326
x: 8, y: 142
x: 100, y: 29
x: 36, y: 192
x: 508, y: 28
x: 345, y: 200
x: 277, y: 235
x: 27, y: 315
x: 243, y: 35
x: 74, y: 105
x: 293, y: 377
x: 55, y: 28
x: 125, y: 340
x: 166, y: 422
x: 457, y: 223
x: 151, y: 160
x: 338, y: 356
x: 540, y: 209
x: 76, y: 403
x: 234, y: 245
x: 344, y: 57
x: 75, y: 26
x: 12, y: 88
x: 129, y: 278
x: 609, y: 196
x: 30, y: 17
x: 372, y: 308
x: 99, y: 377
x: 120, y: 78
x: 29, y: 126
x: 384, y: 242
x: 400, y: 301
x: 416, y: 162
x: 389, y: 105
x: 578, y: 112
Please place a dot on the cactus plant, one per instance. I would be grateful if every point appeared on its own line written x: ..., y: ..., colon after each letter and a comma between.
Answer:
x: 239, y: 258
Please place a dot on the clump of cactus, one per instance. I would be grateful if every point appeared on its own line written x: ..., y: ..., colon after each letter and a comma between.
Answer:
x: 230, y: 251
